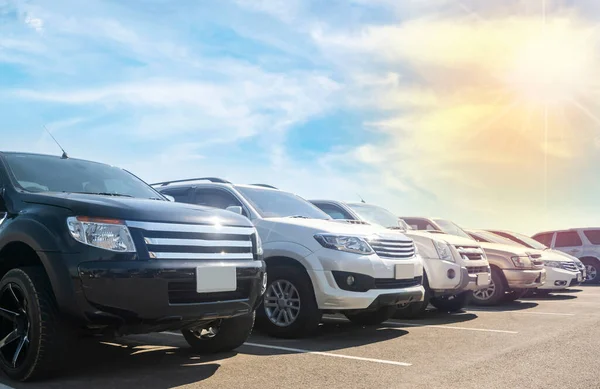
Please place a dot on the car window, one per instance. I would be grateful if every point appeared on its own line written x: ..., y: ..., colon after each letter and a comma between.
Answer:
x: 275, y: 203
x: 593, y: 236
x: 376, y: 215
x: 545, y: 238
x: 181, y: 195
x: 522, y: 240
x: 334, y: 211
x: 568, y: 239
x: 216, y: 198
x: 451, y: 228
x: 420, y: 224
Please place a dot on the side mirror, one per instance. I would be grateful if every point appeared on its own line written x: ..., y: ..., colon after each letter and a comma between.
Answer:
x: 170, y: 198
x: 235, y: 209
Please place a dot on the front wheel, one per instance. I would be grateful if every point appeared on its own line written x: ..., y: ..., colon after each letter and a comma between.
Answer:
x: 452, y: 303
x: 494, y: 293
x: 223, y: 335
x: 592, y: 269
x: 372, y: 318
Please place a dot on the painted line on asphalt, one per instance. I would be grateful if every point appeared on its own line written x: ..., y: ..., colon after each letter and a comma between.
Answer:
x: 397, y: 323
x: 524, y: 313
x: 325, y: 354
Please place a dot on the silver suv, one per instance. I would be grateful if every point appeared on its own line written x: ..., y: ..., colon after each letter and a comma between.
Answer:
x: 583, y: 243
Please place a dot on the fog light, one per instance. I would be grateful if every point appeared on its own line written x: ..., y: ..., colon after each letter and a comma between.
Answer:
x: 350, y: 280
x: 560, y: 283
x: 451, y: 274
x: 263, y: 287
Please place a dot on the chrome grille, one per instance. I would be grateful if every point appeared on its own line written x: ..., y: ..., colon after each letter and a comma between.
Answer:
x: 471, y: 253
x: 569, y: 266
x: 395, y: 249
x: 478, y: 269
x: 192, y: 241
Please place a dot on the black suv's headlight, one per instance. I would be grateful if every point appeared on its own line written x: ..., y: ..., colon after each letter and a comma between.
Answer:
x: 108, y: 234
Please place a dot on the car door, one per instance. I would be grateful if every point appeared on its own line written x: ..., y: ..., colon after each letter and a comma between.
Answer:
x: 592, y: 246
x: 569, y: 242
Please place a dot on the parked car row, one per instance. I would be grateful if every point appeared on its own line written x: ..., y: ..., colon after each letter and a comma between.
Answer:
x: 90, y: 249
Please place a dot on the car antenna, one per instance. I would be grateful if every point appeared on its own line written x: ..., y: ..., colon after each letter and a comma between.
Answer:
x: 64, y: 154
x: 361, y: 199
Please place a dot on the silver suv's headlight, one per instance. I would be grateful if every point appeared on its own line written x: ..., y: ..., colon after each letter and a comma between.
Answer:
x: 350, y: 244
x: 259, y: 249
x: 444, y: 251
x: 551, y: 263
x: 108, y: 234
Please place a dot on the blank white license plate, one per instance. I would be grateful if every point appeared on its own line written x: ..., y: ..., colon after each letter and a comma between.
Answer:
x: 579, y: 277
x: 216, y: 279
x: 482, y: 279
x: 404, y: 271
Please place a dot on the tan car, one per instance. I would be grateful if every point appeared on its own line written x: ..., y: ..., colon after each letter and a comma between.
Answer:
x: 515, y: 269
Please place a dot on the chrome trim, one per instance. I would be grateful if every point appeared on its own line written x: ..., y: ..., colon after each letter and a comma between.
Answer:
x: 391, y: 243
x: 197, y: 242
x: 392, y: 249
x: 3, y: 218
x: 161, y: 255
x: 198, y: 228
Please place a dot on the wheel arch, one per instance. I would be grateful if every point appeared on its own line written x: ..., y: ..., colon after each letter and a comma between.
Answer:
x: 502, y: 276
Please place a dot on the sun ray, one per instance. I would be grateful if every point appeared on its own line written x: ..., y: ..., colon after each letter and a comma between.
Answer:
x: 585, y: 110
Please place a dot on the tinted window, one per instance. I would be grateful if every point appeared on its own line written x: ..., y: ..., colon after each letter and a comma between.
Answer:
x: 276, y: 203
x: 451, y: 228
x: 545, y: 238
x: 593, y: 236
x: 45, y: 173
x: 493, y: 238
x: 420, y: 224
x: 522, y: 239
x: 181, y: 195
x: 334, y: 211
x: 216, y: 198
x: 376, y: 215
x: 568, y: 239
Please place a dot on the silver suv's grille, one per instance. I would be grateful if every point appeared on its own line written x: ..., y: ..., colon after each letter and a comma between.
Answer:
x: 472, y: 253
x: 478, y: 269
x: 395, y: 249
x: 192, y: 241
x: 569, y: 266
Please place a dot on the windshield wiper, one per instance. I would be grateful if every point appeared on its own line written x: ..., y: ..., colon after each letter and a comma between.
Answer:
x: 103, y: 194
x: 397, y: 228
x: 298, y: 217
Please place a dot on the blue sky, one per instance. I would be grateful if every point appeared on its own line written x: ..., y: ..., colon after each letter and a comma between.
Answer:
x: 416, y: 105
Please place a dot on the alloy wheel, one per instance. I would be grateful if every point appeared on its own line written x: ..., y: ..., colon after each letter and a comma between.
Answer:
x: 487, y: 293
x: 14, y: 325
x: 282, y: 303
x: 592, y: 272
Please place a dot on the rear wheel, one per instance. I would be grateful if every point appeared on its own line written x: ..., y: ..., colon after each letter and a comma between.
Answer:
x: 494, y: 293
x: 593, y: 270
x: 222, y: 335
x: 452, y: 303
x: 289, y: 308
x: 372, y: 318
x: 32, y: 337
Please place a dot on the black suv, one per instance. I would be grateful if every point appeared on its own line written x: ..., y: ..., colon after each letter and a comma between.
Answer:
x: 87, y: 248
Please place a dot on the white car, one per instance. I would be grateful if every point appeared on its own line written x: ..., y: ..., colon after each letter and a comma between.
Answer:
x: 454, y: 266
x: 583, y: 243
x: 315, y: 264
x: 562, y: 270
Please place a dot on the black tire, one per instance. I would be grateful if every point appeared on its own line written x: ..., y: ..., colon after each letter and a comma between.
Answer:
x: 45, y: 339
x: 308, y: 317
x: 230, y: 334
x: 499, y: 289
x: 372, y: 318
x: 453, y: 303
x: 592, y: 266
x: 414, y: 310
x: 515, y: 294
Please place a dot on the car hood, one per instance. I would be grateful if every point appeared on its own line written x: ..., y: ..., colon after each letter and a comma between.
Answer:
x: 555, y: 255
x: 337, y: 227
x: 133, y: 209
x: 506, y: 249
x: 451, y: 239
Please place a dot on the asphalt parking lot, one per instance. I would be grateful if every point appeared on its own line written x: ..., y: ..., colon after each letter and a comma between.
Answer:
x: 536, y: 342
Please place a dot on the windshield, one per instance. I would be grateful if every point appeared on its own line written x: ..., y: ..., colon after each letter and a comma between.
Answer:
x: 45, y: 173
x: 493, y: 238
x: 451, y: 228
x: 527, y: 241
x: 274, y: 203
x: 376, y: 215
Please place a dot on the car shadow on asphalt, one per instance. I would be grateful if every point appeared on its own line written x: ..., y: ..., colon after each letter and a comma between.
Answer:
x: 518, y: 305
x: 550, y: 296
x: 127, y: 363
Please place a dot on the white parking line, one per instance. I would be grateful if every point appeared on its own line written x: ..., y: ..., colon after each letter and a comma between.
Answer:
x: 525, y: 313
x: 397, y: 323
x: 303, y: 351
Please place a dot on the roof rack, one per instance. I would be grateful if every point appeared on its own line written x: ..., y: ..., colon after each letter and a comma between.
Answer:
x: 211, y: 179
x: 265, y: 186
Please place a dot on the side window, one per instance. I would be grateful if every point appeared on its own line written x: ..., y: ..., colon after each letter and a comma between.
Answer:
x: 568, y: 239
x: 216, y: 198
x: 593, y: 236
x: 334, y: 211
x: 419, y: 224
x: 181, y: 195
x: 545, y: 238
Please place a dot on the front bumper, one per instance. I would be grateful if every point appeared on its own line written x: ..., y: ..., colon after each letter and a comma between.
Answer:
x: 445, y: 277
x: 557, y: 278
x: 525, y: 279
x: 163, y: 292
